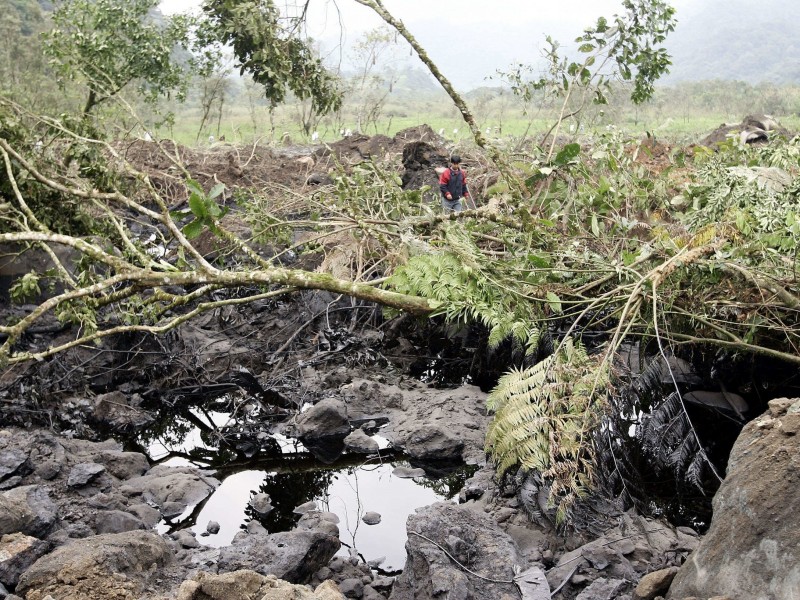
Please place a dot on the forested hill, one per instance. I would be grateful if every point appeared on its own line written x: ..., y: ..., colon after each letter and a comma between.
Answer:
x: 740, y: 40
x: 737, y: 39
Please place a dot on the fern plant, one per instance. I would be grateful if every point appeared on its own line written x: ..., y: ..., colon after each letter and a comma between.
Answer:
x: 544, y: 419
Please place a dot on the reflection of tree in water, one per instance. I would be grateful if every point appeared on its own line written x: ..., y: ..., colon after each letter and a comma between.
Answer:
x: 288, y: 491
x: 448, y: 485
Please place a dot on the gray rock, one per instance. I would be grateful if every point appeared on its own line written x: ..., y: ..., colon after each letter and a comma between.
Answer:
x: 96, y: 563
x: 408, y: 472
x: 17, y: 553
x: 750, y: 549
x: 433, y: 442
x: 371, y: 594
x: 325, y: 522
x: 117, y: 521
x: 430, y: 573
x: 533, y: 584
x: 185, y: 538
x: 352, y: 588
x: 124, y: 465
x: 213, y: 527
x: 371, y: 518
x: 27, y: 509
x: 147, y: 514
x: 602, y: 589
x: 13, y: 462
x: 360, y: 442
x: 327, y: 418
x: 84, y: 473
x: 291, y: 555
x: 172, y: 489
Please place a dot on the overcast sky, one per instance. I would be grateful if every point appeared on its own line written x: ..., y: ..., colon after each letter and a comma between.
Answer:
x: 469, y: 40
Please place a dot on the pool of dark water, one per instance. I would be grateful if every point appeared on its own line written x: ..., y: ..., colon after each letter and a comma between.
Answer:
x: 350, y: 486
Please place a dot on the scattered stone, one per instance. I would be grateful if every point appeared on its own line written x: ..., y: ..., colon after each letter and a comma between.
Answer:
x: 376, y: 562
x: 27, y: 509
x: 359, y: 441
x: 18, y: 552
x: 352, y: 588
x: 186, y: 539
x: 327, y: 418
x: 13, y: 462
x: 433, y: 442
x: 603, y: 589
x: 84, y: 473
x: 654, y: 584
x: 212, y: 527
x: 117, y: 521
x: 371, y: 518
x: 533, y: 584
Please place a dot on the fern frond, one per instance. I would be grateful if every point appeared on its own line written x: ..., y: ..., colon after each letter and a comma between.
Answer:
x: 543, y: 420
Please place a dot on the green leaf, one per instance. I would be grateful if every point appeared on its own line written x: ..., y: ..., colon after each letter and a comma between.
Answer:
x: 193, y: 229
x: 567, y: 153
x: 595, y: 226
x: 216, y: 190
x: 554, y: 302
x: 198, y: 206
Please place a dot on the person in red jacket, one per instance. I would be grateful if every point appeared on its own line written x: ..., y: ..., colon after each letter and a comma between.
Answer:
x: 453, y: 184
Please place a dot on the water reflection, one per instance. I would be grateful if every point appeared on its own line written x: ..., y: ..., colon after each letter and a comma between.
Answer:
x: 293, y: 474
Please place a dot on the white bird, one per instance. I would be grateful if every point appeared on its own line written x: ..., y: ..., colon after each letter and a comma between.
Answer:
x: 315, y: 136
x: 441, y: 131
x: 348, y: 133
x: 455, y: 131
x: 148, y: 137
x: 211, y: 139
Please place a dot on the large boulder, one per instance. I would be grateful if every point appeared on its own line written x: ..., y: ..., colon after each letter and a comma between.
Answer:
x: 102, y: 567
x: 327, y: 418
x: 290, y: 555
x: 751, y: 549
x: 442, y: 530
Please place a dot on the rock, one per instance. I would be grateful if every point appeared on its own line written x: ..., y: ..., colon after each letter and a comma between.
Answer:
x: 408, y: 472
x: 654, y: 584
x: 328, y: 590
x: 13, y: 462
x: 213, y: 527
x: 84, y: 473
x: 172, y: 489
x: 430, y: 573
x: 261, y: 504
x: 116, y: 521
x: 533, y: 584
x: 371, y: 518
x: 432, y: 442
x: 102, y: 566
x: 124, y: 465
x: 327, y: 418
x: 27, y: 509
x: 239, y: 585
x: 750, y: 549
x: 18, y: 552
x: 117, y: 411
x: 359, y: 441
x: 602, y: 589
x: 186, y: 539
x: 291, y: 555
x: 352, y: 588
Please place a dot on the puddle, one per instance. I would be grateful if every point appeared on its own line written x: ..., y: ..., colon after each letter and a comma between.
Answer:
x: 349, y: 486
